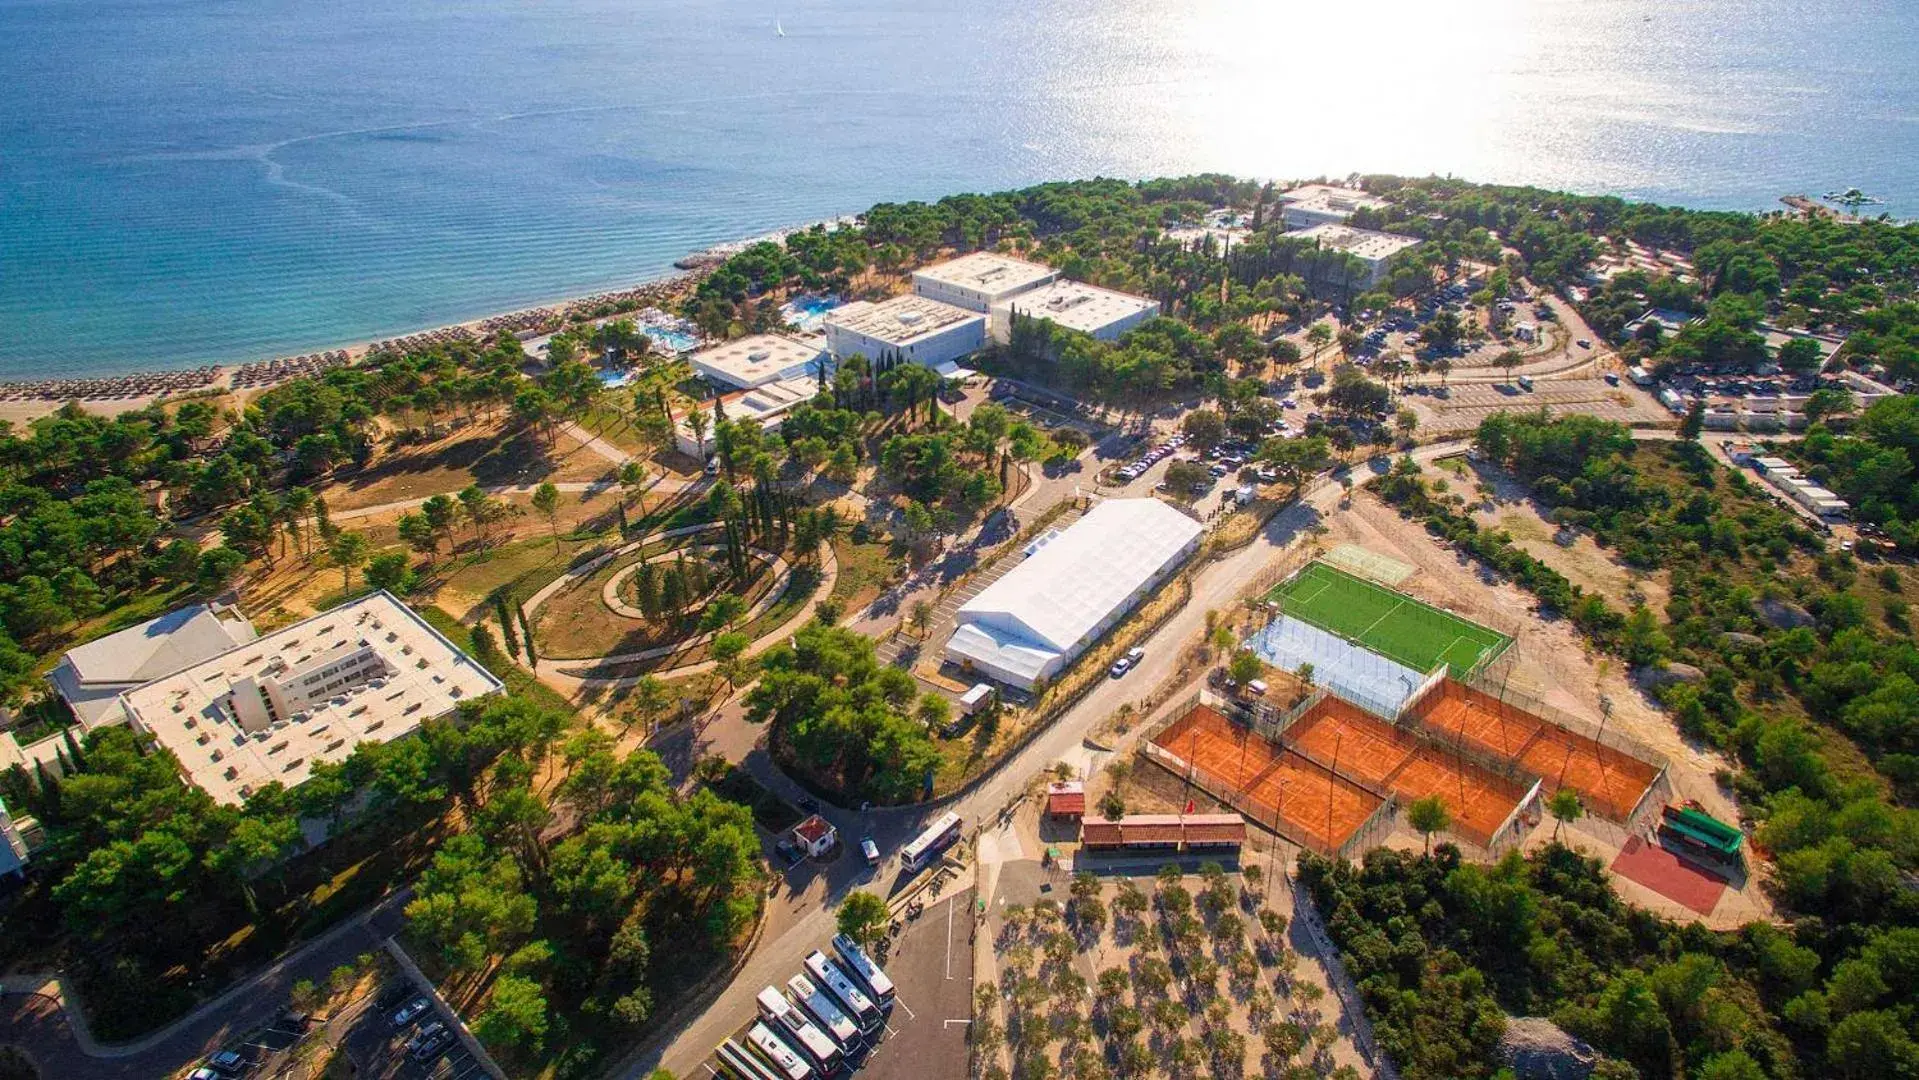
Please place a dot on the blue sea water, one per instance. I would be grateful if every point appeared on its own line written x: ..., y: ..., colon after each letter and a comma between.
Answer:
x: 191, y: 181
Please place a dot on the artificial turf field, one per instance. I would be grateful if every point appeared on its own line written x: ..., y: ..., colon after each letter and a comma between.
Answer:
x: 1391, y: 624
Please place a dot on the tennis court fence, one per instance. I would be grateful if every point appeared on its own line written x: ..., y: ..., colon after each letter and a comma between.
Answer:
x: 1609, y: 737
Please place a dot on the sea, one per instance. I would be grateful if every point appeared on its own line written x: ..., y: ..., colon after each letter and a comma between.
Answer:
x: 185, y: 182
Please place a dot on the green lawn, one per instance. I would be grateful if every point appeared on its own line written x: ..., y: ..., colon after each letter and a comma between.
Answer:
x: 1389, y: 623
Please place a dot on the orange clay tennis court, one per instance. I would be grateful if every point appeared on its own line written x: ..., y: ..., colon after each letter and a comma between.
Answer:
x: 1381, y: 755
x: 1276, y: 785
x: 1610, y: 782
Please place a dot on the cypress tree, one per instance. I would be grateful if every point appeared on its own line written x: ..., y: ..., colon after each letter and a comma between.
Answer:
x: 526, y: 636
x: 673, y: 590
x: 49, y: 806
x: 646, y: 590
x: 506, y: 625
x: 73, y: 749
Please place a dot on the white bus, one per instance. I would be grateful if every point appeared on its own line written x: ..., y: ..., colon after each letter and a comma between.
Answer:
x: 785, y: 1060
x: 860, y: 1007
x: 864, y: 969
x: 741, y: 1064
x: 926, y: 847
x: 792, y: 1025
x: 820, y: 1005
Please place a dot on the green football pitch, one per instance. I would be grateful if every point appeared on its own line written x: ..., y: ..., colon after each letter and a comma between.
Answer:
x: 1391, y: 624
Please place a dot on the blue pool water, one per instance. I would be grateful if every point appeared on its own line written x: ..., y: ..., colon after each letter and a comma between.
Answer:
x: 195, y: 181
x: 670, y: 339
x: 808, y: 312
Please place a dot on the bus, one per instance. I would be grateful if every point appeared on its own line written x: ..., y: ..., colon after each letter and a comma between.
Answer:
x: 926, y: 847
x: 841, y: 985
x: 864, y: 969
x: 783, y: 1058
x: 819, y: 1004
x: 792, y: 1025
x: 741, y: 1065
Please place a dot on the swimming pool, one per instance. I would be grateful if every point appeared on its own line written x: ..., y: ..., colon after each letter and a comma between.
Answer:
x: 613, y: 380
x: 807, y: 311
x: 670, y: 338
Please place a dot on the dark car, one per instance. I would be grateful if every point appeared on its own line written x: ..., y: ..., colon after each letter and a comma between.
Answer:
x: 433, y: 1045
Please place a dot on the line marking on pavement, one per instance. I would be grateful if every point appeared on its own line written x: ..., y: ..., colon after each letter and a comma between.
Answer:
x: 710, y: 1068
x: 909, y: 1011
x: 949, y: 1023
x: 949, y: 940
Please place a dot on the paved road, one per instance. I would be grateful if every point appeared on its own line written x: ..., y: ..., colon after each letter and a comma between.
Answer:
x: 804, y: 916
x: 38, y: 1023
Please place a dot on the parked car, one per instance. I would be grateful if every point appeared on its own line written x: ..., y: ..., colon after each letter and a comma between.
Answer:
x: 870, y: 850
x: 1121, y: 666
x: 411, y: 1011
x: 433, y: 1045
x: 424, y: 1037
x: 227, y: 1063
x: 1134, y: 655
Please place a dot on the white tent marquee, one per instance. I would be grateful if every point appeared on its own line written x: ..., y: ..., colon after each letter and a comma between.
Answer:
x: 1072, y: 587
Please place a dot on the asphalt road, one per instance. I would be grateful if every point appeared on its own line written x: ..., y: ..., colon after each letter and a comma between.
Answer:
x: 38, y: 1025
x: 802, y: 915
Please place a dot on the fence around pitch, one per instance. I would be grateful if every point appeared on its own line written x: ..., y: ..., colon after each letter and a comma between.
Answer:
x: 1610, y: 738
x: 1439, y: 742
x: 1372, y: 832
x: 1251, y: 811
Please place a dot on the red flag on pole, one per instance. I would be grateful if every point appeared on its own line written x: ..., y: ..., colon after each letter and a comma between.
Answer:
x: 1190, y: 806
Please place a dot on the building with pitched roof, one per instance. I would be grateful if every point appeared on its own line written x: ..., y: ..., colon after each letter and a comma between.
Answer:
x: 90, y: 678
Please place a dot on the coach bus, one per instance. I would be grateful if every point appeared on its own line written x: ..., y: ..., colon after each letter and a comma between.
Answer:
x: 792, y: 1025
x: 864, y: 969
x: 819, y: 1004
x: 785, y: 1061
x: 927, y: 846
x: 860, y: 1007
x: 742, y: 1065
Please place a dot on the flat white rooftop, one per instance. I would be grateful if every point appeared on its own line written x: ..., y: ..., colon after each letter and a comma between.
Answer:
x: 986, y: 272
x: 766, y: 402
x: 1331, y: 199
x: 1077, y: 305
x: 753, y: 361
x: 1365, y: 243
x: 900, y: 321
x: 191, y: 714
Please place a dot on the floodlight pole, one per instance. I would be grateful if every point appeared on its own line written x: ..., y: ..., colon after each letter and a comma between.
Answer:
x: 1329, y: 787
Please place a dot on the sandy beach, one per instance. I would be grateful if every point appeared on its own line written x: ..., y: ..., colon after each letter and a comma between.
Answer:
x: 22, y: 402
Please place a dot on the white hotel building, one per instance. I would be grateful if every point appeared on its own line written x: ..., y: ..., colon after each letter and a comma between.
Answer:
x: 911, y: 327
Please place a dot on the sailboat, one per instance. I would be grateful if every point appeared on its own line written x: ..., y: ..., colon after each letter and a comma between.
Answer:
x: 778, y: 29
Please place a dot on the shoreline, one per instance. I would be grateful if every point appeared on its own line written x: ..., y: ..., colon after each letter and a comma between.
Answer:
x: 24, y: 400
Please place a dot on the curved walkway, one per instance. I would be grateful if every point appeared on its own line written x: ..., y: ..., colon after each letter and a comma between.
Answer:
x: 610, y: 592
x: 37, y: 1016
x: 577, y: 678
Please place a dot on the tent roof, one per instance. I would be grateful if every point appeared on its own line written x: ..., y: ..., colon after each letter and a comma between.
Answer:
x: 1062, y: 591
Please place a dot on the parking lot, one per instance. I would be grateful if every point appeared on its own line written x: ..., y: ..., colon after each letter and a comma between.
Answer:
x: 923, y: 1033
x: 386, y: 1043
